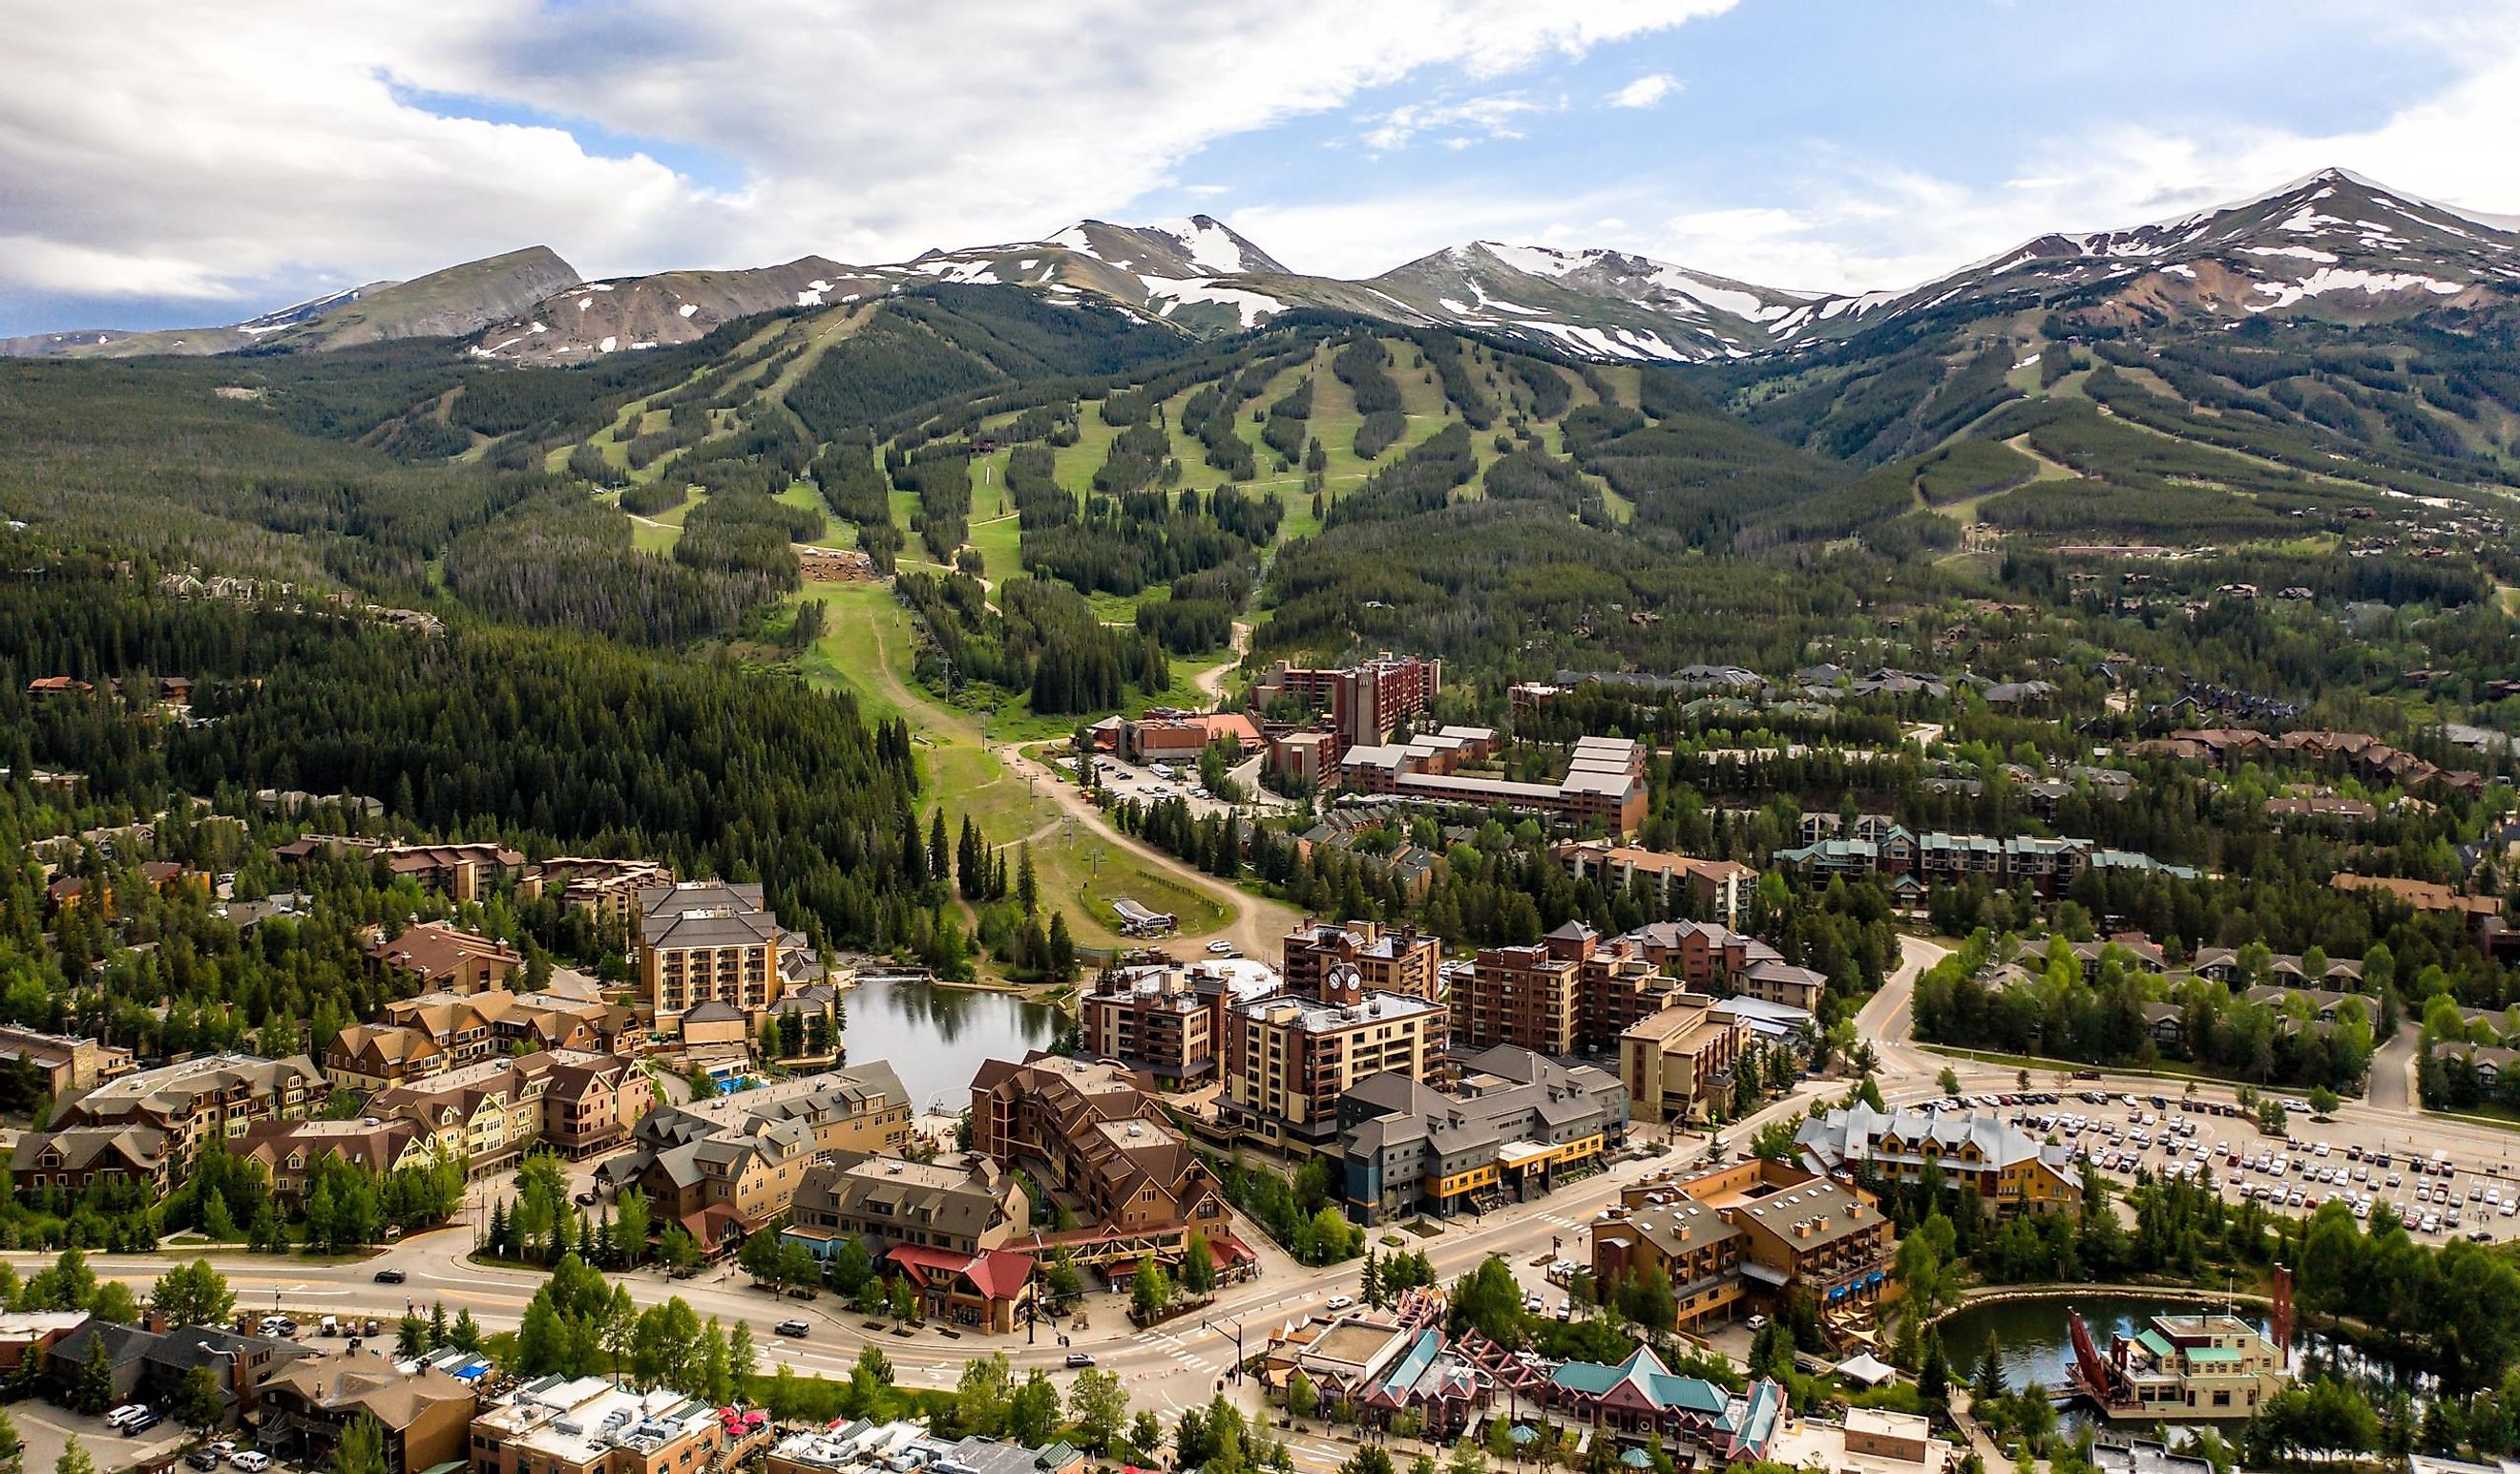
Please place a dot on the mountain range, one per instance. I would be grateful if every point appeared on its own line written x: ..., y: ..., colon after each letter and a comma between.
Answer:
x: 2334, y: 246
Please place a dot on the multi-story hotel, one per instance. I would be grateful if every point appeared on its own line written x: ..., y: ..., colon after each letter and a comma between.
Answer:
x: 1360, y: 703
x: 707, y: 939
x: 1290, y: 1058
x: 1168, y: 1021
x: 1510, y: 1128
x: 725, y: 1166
x: 1569, y: 994
x: 964, y: 1206
x: 1713, y: 889
x: 1089, y: 1131
x: 198, y: 1102
x: 1390, y: 959
x: 2012, y: 1171
x: 1678, y: 1064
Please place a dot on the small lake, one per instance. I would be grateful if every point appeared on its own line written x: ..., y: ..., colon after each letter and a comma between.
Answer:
x: 935, y: 1036
x: 2033, y: 1344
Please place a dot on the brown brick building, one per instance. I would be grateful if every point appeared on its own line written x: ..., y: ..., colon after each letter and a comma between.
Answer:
x: 1390, y: 959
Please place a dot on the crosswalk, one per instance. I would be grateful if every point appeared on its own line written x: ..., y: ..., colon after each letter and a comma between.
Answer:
x: 1178, y: 1348
x: 1560, y: 1220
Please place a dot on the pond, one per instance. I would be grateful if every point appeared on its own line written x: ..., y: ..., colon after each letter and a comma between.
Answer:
x: 2032, y: 1342
x: 935, y: 1036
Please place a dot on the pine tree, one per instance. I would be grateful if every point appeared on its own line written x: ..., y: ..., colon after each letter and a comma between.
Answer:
x: 1027, y: 884
x: 936, y: 846
x: 1063, y: 950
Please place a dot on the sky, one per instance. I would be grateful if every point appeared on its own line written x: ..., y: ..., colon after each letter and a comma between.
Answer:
x: 165, y: 162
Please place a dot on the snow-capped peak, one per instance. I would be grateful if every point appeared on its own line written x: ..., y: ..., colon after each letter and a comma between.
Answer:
x: 1214, y: 248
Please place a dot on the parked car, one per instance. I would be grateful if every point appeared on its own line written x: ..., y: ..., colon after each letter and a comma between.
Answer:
x: 251, y: 1460
x: 586, y: 1199
x: 796, y: 1328
x: 391, y: 1277
x: 1220, y: 948
x: 124, y: 1413
x: 203, y: 1459
x: 1340, y: 1302
x: 139, y: 1425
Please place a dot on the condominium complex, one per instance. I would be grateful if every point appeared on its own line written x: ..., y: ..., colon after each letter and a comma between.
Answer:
x: 421, y: 1413
x: 1718, y: 961
x: 1678, y: 1063
x: 1571, y: 993
x: 1711, y: 890
x: 459, y: 871
x: 965, y: 1205
x: 486, y: 1114
x: 441, y: 958
x: 1911, y: 863
x: 1089, y: 1131
x: 705, y: 940
x: 292, y: 1153
x: 194, y: 1103
x: 1750, y: 1235
x: 1169, y: 1021
x: 1605, y: 782
x: 724, y: 1167
x: 64, y: 1064
x: 1514, y: 1127
x: 2012, y: 1171
x: 1359, y: 703
x: 607, y: 890
x: 1389, y: 958
x: 423, y: 1035
x: 1290, y: 1058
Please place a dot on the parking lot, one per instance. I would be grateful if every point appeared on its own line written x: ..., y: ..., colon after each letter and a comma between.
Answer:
x: 48, y: 1430
x: 1159, y: 780
x: 2440, y: 1193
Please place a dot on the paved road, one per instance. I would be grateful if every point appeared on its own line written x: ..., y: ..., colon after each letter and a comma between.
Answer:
x: 1168, y: 1369
x: 1173, y: 1366
x: 1258, y: 925
x: 2393, y: 1071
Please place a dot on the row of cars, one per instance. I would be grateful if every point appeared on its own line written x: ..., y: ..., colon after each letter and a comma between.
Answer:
x: 133, y: 1420
x: 2291, y: 1173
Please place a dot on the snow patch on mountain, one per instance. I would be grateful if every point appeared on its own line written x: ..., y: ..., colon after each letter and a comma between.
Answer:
x: 1251, y: 307
x: 2331, y: 279
x: 1533, y: 260
x: 1210, y: 246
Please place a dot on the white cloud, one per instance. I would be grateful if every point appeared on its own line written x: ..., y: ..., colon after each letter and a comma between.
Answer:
x: 1486, y: 117
x: 1845, y: 221
x: 268, y: 138
x: 1645, y: 91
